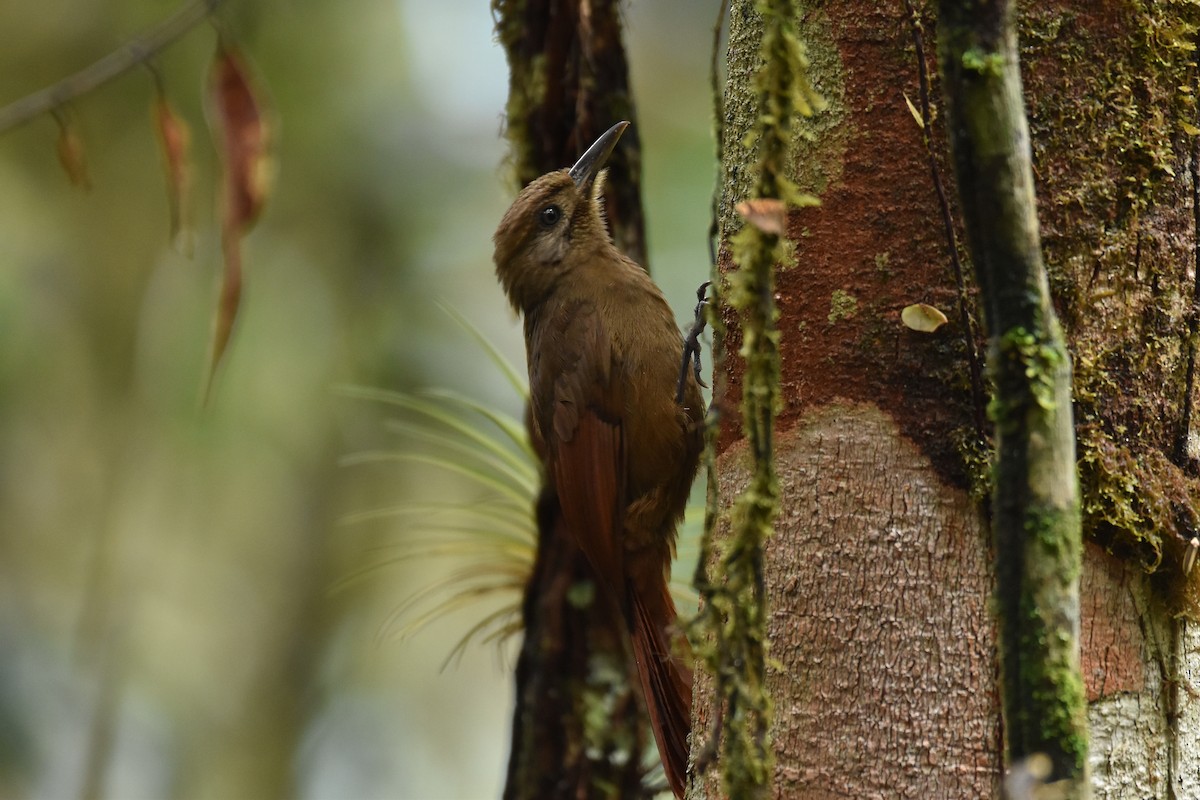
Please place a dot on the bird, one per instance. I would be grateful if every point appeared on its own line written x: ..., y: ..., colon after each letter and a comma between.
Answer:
x: 619, y: 448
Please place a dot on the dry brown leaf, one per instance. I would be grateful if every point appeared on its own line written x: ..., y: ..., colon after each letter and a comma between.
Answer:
x: 244, y: 144
x: 922, y: 317
x: 765, y: 213
x: 244, y: 137
x: 71, y: 153
x: 227, y: 306
x: 174, y: 138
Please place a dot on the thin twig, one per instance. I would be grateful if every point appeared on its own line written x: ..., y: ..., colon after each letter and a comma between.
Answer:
x: 106, y: 69
x: 964, y: 315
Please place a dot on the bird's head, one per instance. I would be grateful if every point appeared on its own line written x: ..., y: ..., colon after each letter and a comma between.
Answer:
x: 554, y: 221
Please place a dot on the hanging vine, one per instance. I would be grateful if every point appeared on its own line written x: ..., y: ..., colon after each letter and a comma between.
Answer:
x: 730, y: 632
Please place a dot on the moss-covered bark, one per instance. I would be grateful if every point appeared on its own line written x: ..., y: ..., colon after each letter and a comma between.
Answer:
x: 1036, y: 521
x: 577, y: 729
x: 1113, y: 141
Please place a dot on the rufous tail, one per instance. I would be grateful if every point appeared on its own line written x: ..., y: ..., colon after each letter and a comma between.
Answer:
x: 666, y: 680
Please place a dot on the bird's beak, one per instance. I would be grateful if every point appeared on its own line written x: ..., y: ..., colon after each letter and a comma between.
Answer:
x: 585, y: 169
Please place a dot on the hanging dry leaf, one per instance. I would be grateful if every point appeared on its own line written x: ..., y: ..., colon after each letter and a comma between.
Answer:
x: 227, y: 306
x: 244, y: 143
x: 922, y: 317
x: 244, y: 137
x: 71, y: 154
x: 1189, y: 555
x: 764, y: 213
x: 174, y: 139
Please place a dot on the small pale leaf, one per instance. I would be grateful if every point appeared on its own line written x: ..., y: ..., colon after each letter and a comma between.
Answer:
x: 1189, y: 129
x: 913, y: 110
x: 922, y: 317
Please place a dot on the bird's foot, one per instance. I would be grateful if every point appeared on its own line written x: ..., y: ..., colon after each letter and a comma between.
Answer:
x: 691, y: 343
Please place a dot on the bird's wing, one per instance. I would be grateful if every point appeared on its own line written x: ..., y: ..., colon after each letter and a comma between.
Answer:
x: 588, y: 459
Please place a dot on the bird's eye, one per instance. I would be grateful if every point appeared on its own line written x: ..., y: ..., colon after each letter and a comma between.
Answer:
x: 549, y: 216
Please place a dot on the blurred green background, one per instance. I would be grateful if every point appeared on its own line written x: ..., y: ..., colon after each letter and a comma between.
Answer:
x: 179, y: 612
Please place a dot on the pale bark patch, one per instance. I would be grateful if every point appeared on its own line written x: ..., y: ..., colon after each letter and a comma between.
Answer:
x: 878, y: 617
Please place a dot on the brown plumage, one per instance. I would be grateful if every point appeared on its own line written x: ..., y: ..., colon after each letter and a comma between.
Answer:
x: 619, y: 452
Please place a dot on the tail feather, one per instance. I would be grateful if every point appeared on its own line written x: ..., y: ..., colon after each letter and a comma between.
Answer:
x: 666, y: 682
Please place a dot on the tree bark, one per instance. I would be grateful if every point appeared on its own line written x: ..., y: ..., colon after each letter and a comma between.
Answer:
x: 878, y: 616
x: 879, y: 571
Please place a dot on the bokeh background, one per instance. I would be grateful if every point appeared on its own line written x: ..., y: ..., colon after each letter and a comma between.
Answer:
x: 188, y: 606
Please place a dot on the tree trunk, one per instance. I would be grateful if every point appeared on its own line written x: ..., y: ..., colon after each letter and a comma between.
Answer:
x: 879, y: 573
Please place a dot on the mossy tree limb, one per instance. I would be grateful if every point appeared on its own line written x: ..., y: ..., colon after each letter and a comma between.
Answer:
x: 1036, y: 519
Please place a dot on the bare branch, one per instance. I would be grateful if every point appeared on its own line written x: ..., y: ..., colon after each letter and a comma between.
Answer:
x: 106, y: 69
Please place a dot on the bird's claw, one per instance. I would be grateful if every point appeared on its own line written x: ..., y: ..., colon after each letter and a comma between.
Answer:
x: 691, y: 343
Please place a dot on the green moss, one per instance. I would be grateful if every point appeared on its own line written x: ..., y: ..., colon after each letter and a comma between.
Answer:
x: 1053, y: 718
x: 989, y: 65
x: 819, y: 141
x: 883, y: 264
x: 1137, y: 506
x: 1051, y: 539
x: 1127, y: 107
x: 602, y: 698
x: 1114, y: 271
x: 1045, y: 709
x: 977, y: 459
x: 581, y: 594
x: 842, y: 305
x: 1021, y: 358
x: 526, y: 88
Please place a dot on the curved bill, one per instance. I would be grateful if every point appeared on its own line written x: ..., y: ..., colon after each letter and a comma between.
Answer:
x: 589, y: 163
